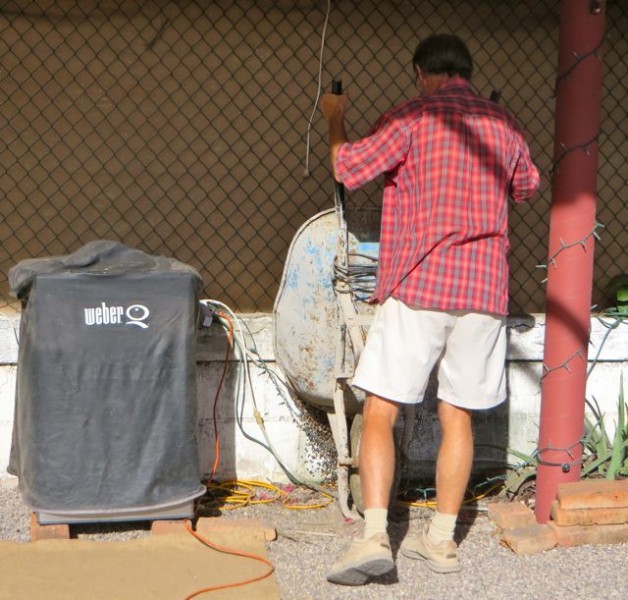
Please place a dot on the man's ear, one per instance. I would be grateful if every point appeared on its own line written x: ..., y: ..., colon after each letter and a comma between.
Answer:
x: 418, y: 75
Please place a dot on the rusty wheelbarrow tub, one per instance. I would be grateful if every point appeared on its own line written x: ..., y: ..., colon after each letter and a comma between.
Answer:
x: 321, y: 318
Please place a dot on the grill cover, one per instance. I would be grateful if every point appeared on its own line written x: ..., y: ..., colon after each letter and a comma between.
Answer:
x: 105, y: 414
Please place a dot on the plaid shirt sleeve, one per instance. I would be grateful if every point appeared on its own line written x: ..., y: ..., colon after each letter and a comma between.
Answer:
x: 526, y: 179
x: 364, y: 160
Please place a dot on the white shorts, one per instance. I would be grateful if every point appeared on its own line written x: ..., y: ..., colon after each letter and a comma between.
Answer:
x: 404, y: 344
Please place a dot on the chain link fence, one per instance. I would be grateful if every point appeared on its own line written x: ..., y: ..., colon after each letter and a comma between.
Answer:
x: 190, y: 129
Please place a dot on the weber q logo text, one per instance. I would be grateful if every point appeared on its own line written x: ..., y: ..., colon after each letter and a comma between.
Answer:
x: 117, y: 315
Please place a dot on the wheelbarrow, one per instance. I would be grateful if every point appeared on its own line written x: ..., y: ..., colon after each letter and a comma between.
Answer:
x: 321, y: 318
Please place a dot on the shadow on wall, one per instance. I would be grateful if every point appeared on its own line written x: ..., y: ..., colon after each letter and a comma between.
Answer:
x: 250, y: 425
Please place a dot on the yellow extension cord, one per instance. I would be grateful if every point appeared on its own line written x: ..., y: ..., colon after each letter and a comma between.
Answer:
x: 241, y: 493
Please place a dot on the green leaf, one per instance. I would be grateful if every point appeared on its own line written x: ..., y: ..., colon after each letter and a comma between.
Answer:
x: 528, y: 459
x: 618, y: 455
x: 601, y: 441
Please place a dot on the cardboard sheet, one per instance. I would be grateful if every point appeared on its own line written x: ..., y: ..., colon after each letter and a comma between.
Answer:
x: 159, y: 567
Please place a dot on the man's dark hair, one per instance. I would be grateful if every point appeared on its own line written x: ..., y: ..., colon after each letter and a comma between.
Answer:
x: 443, y: 53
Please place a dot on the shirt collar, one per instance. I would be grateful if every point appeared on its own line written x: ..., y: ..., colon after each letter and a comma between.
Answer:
x: 455, y: 82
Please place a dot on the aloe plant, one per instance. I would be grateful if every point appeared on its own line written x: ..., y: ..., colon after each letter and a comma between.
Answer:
x: 602, y: 454
x: 520, y: 474
x: 619, y: 459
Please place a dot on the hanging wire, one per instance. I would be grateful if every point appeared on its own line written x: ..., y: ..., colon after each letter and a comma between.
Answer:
x: 306, y: 171
x: 244, y: 382
x: 357, y: 278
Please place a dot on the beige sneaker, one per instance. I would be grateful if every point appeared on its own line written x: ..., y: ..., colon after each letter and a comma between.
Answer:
x: 442, y: 557
x: 364, y: 559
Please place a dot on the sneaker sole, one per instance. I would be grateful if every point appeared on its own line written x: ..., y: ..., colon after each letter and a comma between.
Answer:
x: 436, y: 567
x: 360, y: 574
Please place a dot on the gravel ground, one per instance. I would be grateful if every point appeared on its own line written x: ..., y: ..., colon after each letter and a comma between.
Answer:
x: 309, y: 541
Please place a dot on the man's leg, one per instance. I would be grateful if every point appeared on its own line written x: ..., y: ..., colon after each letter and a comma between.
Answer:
x: 455, y: 457
x: 453, y: 468
x: 377, y: 451
x: 371, y: 555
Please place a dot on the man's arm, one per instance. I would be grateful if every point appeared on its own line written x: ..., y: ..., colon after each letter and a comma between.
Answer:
x: 333, y: 107
x: 526, y: 177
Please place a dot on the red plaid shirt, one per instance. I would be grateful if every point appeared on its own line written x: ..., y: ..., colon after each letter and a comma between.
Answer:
x: 450, y: 160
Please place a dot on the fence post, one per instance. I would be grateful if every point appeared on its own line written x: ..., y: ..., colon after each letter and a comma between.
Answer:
x: 571, y: 246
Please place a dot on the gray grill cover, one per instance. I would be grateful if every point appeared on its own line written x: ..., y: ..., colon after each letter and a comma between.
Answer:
x: 105, y: 415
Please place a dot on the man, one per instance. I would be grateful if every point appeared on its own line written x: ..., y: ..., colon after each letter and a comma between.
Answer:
x: 450, y: 160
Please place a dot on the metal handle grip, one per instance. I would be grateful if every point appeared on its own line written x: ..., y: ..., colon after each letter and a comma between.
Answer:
x: 339, y: 189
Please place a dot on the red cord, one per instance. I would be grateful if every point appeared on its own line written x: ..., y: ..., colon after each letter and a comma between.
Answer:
x: 234, y: 552
x: 220, y: 384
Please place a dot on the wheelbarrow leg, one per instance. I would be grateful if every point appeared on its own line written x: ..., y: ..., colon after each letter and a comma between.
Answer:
x: 340, y: 433
x: 409, y: 412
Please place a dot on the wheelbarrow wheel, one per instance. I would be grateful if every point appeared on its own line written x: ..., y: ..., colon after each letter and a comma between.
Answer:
x: 355, y: 487
x: 355, y: 435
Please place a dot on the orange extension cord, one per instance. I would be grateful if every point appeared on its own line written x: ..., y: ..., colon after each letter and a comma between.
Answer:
x: 203, y: 540
x: 234, y: 552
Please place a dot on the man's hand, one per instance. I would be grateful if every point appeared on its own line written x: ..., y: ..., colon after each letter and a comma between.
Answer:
x: 333, y: 106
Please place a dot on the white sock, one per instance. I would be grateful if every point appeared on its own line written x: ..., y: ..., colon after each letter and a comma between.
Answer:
x: 375, y: 521
x: 441, y: 528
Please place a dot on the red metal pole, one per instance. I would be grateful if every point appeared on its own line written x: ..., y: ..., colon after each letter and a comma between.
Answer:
x: 571, y: 246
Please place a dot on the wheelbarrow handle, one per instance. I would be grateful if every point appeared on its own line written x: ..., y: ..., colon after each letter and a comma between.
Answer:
x: 339, y: 189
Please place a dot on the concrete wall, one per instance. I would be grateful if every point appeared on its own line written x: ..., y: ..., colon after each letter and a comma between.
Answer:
x: 300, y: 435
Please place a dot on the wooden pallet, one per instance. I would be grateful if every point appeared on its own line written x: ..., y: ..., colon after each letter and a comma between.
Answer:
x: 61, y: 531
